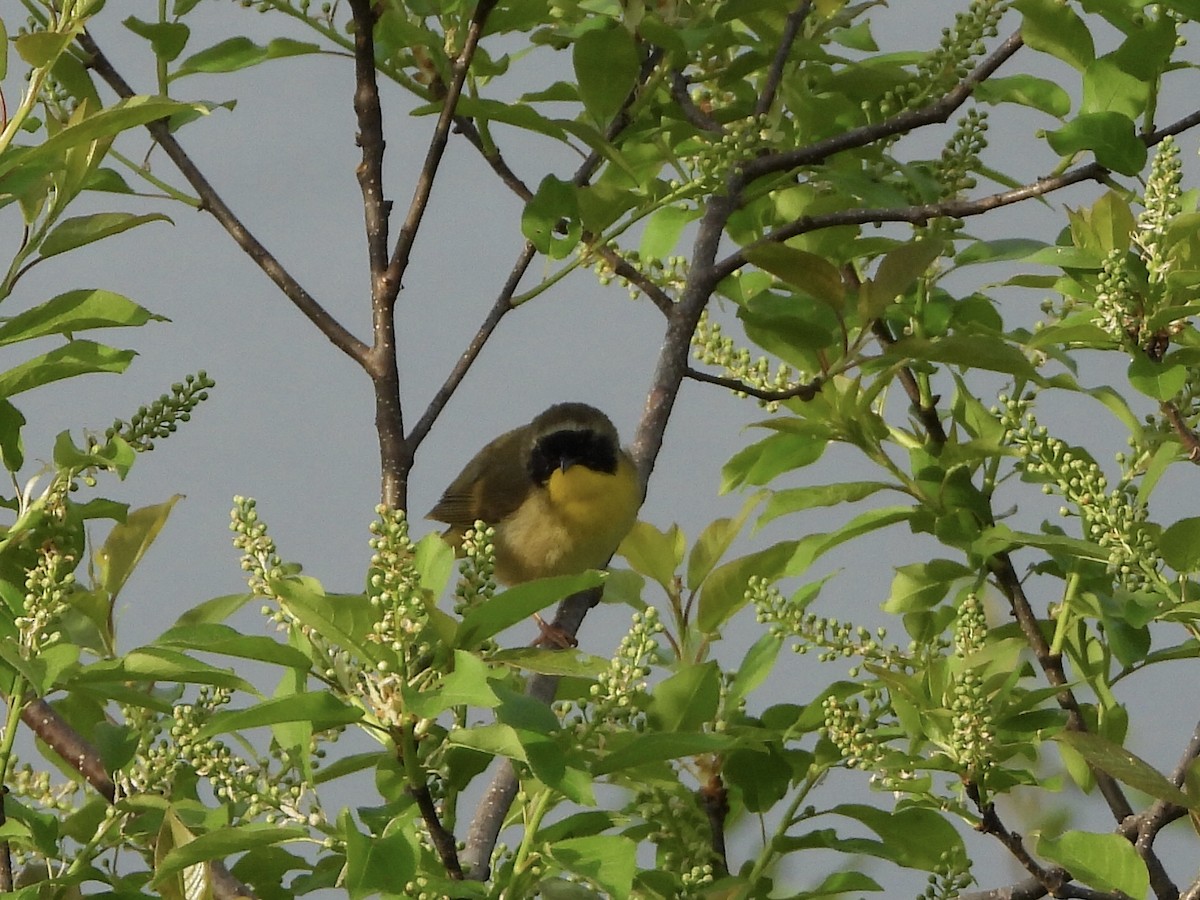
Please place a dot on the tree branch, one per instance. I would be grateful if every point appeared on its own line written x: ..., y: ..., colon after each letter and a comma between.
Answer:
x: 219, y: 210
x: 437, y: 144
x: 903, y: 122
x: 804, y: 391
x: 791, y: 30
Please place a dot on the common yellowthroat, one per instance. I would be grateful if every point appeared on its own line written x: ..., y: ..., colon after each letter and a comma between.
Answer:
x: 559, y: 492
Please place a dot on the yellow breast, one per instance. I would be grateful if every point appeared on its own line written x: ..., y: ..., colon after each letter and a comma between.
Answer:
x: 572, y: 524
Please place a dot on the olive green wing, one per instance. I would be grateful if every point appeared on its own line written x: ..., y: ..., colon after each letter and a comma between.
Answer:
x: 490, y: 487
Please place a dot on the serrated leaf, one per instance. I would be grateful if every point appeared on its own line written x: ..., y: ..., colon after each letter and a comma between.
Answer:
x: 1027, y: 90
x: 1111, y: 136
x: 72, y: 312
x: 1159, y: 380
x: 714, y: 541
x: 239, y: 53
x: 652, y: 552
x: 724, y: 590
x: 608, y: 861
x: 807, y: 272
x: 1124, y: 766
x: 224, y: 842
x: 518, y: 604
x: 320, y: 709
x: 652, y: 747
x: 793, y: 500
x: 212, y: 637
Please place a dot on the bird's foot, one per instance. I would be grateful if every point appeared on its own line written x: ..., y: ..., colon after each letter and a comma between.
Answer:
x: 553, y: 636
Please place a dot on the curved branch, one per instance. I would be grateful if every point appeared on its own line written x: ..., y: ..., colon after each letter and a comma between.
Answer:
x: 802, y: 391
x: 337, y: 334
x: 791, y: 30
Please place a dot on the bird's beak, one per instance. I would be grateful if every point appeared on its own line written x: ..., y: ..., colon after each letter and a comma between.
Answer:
x: 566, y: 462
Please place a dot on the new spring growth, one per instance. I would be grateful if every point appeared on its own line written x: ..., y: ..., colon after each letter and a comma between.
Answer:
x: 710, y: 346
x: 972, y: 734
x: 1115, y: 520
x: 394, y: 587
x: 47, y: 585
x: 477, y: 571
x: 160, y: 419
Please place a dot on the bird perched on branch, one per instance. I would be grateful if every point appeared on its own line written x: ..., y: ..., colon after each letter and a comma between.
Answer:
x: 559, y: 492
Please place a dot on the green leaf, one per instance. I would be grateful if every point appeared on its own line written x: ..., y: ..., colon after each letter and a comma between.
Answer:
x: 167, y: 39
x: 240, y: 53
x: 606, y: 66
x: 1159, y: 380
x: 663, y: 230
x: 1107, y: 87
x: 76, y: 358
x: 1180, y: 545
x: 774, y: 455
x: 922, y: 586
x: 217, y: 638
x: 971, y: 351
x: 519, y: 603
x: 222, y: 843
x: 465, y: 685
x: 127, y: 544
x: 160, y: 664
x: 806, y: 272
x: 12, y: 449
x: 1111, y: 136
x: 345, y: 619
x: 914, y: 837
x: 654, y: 553
x: 107, y: 123
x: 81, y: 230
x: 75, y: 311
x: 714, y: 542
x: 39, y: 49
x: 320, y: 709
x: 1124, y: 766
x: 724, y: 591
x: 793, y: 500
x: 652, y: 747
x: 1054, y: 28
x: 1027, y: 90
x: 377, y: 865
x: 756, y: 666
x: 550, y: 662
x: 551, y: 220
x: 900, y: 269
x: 608, y: 861
x: 999, y: 250
x: 687, y: 700
x: 1104, y: 861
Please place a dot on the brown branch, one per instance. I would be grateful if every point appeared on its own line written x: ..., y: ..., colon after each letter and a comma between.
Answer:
x: 467, y: 128
x: 714, y: 797
x: 791, y: 30
x: 803, y: 391
x: 437, y: 144
x: 928, y: 416
x: 442, y: 840
x: 54, y: 731
x: 691, y: 112
x: 1051, y: 879
x: 219, y: 210
x: 1187, y: 437
x: 932, y: 113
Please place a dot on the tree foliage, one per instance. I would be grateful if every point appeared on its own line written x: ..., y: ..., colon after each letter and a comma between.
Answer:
x: 758, y: 156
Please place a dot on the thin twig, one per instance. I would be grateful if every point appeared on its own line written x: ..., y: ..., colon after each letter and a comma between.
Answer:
x: 691, y: 112
x: 1187, y: 437
x: 467, y: 128
x: 989, y: 823
x: 803, y: 391
x: 932, y: 113
x: 219, y: 210
x: 791, y: 30
x: 437, y: 144
x: 442, y: 840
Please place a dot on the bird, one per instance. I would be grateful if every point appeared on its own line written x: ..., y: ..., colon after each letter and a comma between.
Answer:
x: 559, y: 492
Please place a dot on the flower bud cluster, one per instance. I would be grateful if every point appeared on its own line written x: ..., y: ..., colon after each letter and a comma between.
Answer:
x: 394, y: 587
x: 960, y: 158
x: 618, y: 698
x: 950, y: 878
x: 259, y: 558
x: 47, y: 586
x: 477, y: 571
x: 1161, y: 205
x: 855, y: 733
x: 709, y: 345
x: 1114, y: 520
x: 951, y: 62
x: 678, y: 828
x: 972, y: 733
x: 832, y: 638
x: 160, y: 419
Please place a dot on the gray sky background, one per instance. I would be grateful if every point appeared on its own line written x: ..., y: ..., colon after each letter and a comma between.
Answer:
x: 291, y: 420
